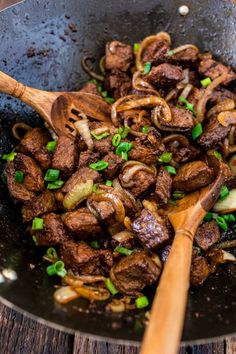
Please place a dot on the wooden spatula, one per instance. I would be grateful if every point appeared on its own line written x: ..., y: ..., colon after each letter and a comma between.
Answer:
x: 163, y: 333
x: 59, y: 109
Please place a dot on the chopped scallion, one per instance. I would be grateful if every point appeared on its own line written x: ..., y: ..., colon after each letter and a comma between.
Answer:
x: 34, y: 238
x: 123, y: 149
x: 224, y: 192
x: 99, y: 166
x: 94, y: 189
x: 57, y: 268
x: 101, y: 136
x: 229, y: 217
x: 51, y: 145
x: 116, y: 139
x: 147, y: 67
x: 51, y: 175
x: 206, y: 82
x: 108, y: 183
x: 125, y: 132
x: 197, y: 131
x: 10, y: 156
x: 189, y: 106
x: 172, y: 202
x: 52, y: 254
x: 165, y: 157
x: 123, y: 250
x: 208, y: 216
x: 104, y: 94
x: 145, y: 129
x: 170, y: 53
x: 95, y: 244
x: 222, y: 223
x: 178, y: 194
x: 136, y: 47
x: 170, y: 169
x: 109, y: 100
x: 218, y: 155
x: 55, y: 185
x: 141, y: 302
x: 37, y: 224
x: 111, y: 287
x: 19, y: 176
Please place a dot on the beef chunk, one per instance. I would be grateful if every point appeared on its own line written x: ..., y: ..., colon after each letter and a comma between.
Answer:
x: 103, y: 146
x: 200, y: 270
x: 105, y: 211
x: 142, y: 183
x: 17, y: 190
x: 34, y: 143
x: 186, y: 58
x: 182, y: 120
x: 117, y: 83
x: 146, y: 149
x: 90, y: 87
x: 165, y: 253
x: 213, y: 69
x: 44, y: 203
x: 82, y: 175
x: 207, y: 235
x: 228, y: 175
x: 106, y: 260
x: 213, y: 134
x: 192, y: 176
x: 221, y: 94
x: 115, y: 163
x: 163, y: 187
x: 65, y: 155
x: 165, y: 75
x: 186, y: 154
x: 87, y: 157
x: 82, y: 224
x: 119, y: 56
x: 53, y: 232
x: 156, y: 52
x: 131, y: 274
x: 81, y: 258
x: 150, y: 230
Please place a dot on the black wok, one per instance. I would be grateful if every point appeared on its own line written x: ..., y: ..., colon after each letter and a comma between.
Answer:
x: 43, y: 25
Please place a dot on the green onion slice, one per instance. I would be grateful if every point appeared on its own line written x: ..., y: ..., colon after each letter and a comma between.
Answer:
x: 104, y: 94
x: 19, y: 176
x: 37, y: 224
x: 145, y: 129
x: 165, y: 157
x: 222, y: 223
x: 101, y: 136
x: 141, y: 302
x: 147, y: 67
x: 124, y: 251
x: 229, y: 217
x: 95, y: 244
x: 109, y: 100
x: 123, y: 149
x: 218, y: 155
x: 51, y: 145
x: 206, y: 82
x: 52, y: 253
x: 99, y: 166
x: 34, y: 238
x: 224, y: 192
x: 178, y: 194
x: 170, y: 53
x: 197, y: 131
x: 108, y: 183
x: 125, y: 132
x: 51, y: 175
x: 111, y: 287
x: 170, y: 169
x: 189, y: 106
x: 116, y: 139
x: 208, y: 216
x: 57, y: 268
x: 136, y: 47
x: 55, y: 185
x: 10, y: 156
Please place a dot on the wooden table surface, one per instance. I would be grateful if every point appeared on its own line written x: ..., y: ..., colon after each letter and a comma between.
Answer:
x: 21, y: 335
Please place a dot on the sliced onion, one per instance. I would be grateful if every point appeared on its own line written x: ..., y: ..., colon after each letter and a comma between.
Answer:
x: 140, y: 84
x: 127, y: 194
x: 156, y: 260
x: 102, y: 65
x: 82, y: 127
x: 89, y: 70
x: 150, y: 205
x: 65, y: 294
x: 226, y: 105
x: 115, y: 201
x: 156, y: 115
x: 92, y: 293
x: 186, y: 91
x: 128, y: 223
x: 130, y: 168
x: 226, y: 118
x: 79, y: 280
x: 101, y: 130
x: 185, y: 80
x: 123, y: 236
x: 120, y: 101
x: 19, y: 128
x: 182, y: 140
x: 172, y: 94
x: 226, y: 205
x: 116, y: 306
x: 226, y: 244
x: 201, y: 105
x: 184, y: 47
x: 77, y: 194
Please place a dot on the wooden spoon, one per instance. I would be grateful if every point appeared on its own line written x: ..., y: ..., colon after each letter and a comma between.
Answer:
x: 59, y: 109
x: 163, y: 333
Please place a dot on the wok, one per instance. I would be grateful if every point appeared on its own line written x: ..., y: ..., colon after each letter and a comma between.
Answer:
x: 55, y: 65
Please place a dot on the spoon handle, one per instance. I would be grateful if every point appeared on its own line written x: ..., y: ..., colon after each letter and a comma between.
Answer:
x: 163, y: 333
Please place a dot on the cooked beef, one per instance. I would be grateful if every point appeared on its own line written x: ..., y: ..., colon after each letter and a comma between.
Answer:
x: 17, y: 190
x: 165, y: 75
x: 142, y: 183
x: 228, y: 175
x: 82, y: 224
x: 200, y: 270
x: 81, y: 258
x: 119, y: 56
x: 182, y: 120
x: 150, y: 230
x: 207, y: 235
x: 131, y: 274
x: 195, y: 95
x: 87, y: 157
x: 165, y: 253
x: 34, y: 143
x: 156, y: 52
x: 65, y: 155
x: 53, y: 232
x: 213, y: 69
x: 103, y: 146
x: 41, y: 204
x: 115, y: 163
x: 163, y: 187
x: 117, y: 83
x: 192, y: 176
x: 186, y: 154
x: 146, y: 151
x: 81, y: 176
x: 215, y: 257
x: 186, y: 58
x: 105, y: 211
x: 90, y: 87
x: 221, y: 94
x: 106, y: 260
x: 213, y: 134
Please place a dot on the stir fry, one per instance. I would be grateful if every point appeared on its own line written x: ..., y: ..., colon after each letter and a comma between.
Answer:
x: 95, y: 199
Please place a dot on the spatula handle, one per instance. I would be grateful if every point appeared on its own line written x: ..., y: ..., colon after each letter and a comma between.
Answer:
x: 163, y: 333
x: 11, y: 86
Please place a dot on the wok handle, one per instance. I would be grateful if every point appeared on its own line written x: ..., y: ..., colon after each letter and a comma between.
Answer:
x: 164, y: 330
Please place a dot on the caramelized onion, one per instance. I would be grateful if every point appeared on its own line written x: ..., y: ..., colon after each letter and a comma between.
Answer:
x: 79, y: 280
x: 226, y: 205
x: 201, y: 105
x: 184, y: 47
x: 83, y: 128
x: 156, y: 115
x: 128, y: 223
x: 20, y: 129
x: 92, y: 293
x: 115, y: 201
x: 65, y: 294
x: 186, y: 91
x: 140, y: 84
x: 226, y: 118
x: 116, y: 306
x: 172, y: 94
x: 102, y: 65
x: 89, y: 70
x: 146, y: 42
x: 127, y: 194
x: 77, y: 194
x: 182, y: 140
x: 130, y: 168
x: 123, y: 236
x: 120, y: 101
x: 226, y: 105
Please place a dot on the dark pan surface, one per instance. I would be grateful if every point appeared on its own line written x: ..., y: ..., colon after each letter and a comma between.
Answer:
x: 43, y: 25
